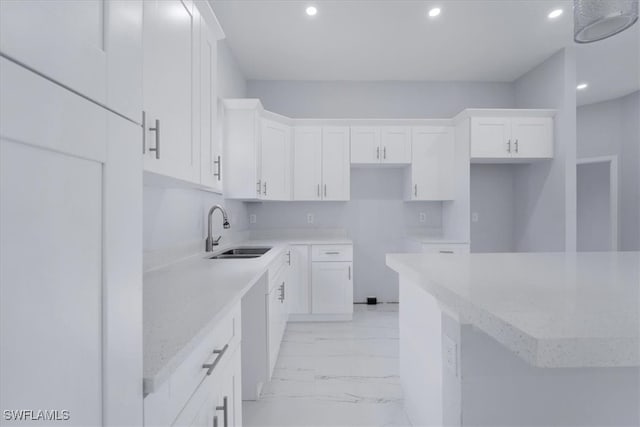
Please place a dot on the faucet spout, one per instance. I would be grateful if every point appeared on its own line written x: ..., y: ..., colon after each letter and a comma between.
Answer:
x: 211, y: 242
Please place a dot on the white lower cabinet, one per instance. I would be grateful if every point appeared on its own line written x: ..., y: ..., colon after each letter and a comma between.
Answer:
x: 332, y: 279
x: 277, y: 311
x: 298, y: 292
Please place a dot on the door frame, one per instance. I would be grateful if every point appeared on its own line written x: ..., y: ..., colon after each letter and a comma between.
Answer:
x: 612, y: 160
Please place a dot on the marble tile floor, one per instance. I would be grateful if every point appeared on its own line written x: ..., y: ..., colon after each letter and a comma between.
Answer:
x: 335, y: 374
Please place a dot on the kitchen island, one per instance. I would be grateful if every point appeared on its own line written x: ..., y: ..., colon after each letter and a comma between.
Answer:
x: 520, y: 339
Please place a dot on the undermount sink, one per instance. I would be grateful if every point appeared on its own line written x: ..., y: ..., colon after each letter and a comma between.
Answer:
x: 241, y: 253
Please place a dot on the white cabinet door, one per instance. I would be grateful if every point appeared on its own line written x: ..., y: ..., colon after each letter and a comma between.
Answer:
x: 228, y: 402
x: 532, y: 137
x: 169, y: 89
x: 395, y: 144
x: 332, y: 287
x: 490, y: 137
x: 276, y: 161
x: 273, y: 329
x: 336, y: 170
x: 298, y: 287
x: 210, y: 144
x: 307, y: 163
x: 365, y: 144
x: 433, y: 166
x: 71, y: 184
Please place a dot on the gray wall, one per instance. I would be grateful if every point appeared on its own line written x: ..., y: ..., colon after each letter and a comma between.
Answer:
x: 376, y: 217
x: 593, y: 198
x: 176, y: 216
x: 493, y: 199
x: 612, y: 128
x: 545, y: 191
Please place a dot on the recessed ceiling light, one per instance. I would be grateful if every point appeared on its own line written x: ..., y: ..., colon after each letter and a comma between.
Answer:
x: 311, y: 11
x: 582, y: 86
x: 434, y: 12
x: 555, y: 13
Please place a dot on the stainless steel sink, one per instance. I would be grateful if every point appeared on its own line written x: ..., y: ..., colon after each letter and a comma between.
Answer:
x: 241, y: 253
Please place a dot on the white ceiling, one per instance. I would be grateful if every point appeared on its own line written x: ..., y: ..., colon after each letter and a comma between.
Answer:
x: 472, y: 40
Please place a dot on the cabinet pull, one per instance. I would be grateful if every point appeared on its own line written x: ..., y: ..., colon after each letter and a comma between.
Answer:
x: 156, y: 129
x: 415, y: 190
x: 384, y: 153
x: 318, y: 191
x: 215, y: 421
x: 219, y: 163
x: 516, y: 145
x: 264, y: 185
x: 224, y: 409
x: 258, y: 186
x: 289, y: 258
x: 446, y: 252
x: 211, y: 366
x: 325, y: 190
x: 332, y: 253
x: 509, y: 146
x: 349, y: 272
x: 281, y: 298
x: 144, y: 132
x: 377, y: 152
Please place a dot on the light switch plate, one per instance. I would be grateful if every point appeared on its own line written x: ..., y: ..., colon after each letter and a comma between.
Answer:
x: 423, y: 217
x: 450, y: 356
x: 252, y: 219
x: 475, y: 217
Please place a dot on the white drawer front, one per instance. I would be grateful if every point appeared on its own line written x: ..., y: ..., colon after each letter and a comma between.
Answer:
x: 332, y: 253
x: 445, y: 248
x: 161, y: 408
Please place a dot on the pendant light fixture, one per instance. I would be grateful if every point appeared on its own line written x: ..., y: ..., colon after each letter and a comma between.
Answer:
x: 595, y: 20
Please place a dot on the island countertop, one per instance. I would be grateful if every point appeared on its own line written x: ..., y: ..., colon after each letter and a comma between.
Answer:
x: 552, y: 309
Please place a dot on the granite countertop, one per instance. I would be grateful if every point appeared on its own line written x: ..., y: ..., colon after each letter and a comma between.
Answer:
x: 552, y: 309
x: 184, y: 300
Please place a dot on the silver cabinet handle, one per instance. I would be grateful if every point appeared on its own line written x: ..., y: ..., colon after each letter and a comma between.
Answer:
x: 156, y: 129
x: 446, y: 252
x: 516, y: 145
x: 224, y: 409
x: 318, y: 190
x: 509, y: 146
x: 219, y: 163
x: 332, y: 253
x: 144, y: 132
x: 349, y: 272
x: 415, y: 190
x: 264, y: 185
x: 325, y: 190
x: 215, y: 421
x: 281, y: 298
x: 258, y: 186
x: 378, y: 153
x: 289, y: 258
x: 211, y: 366
x: 384, y: 153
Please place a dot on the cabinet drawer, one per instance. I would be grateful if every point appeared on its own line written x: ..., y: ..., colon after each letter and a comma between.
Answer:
x: 332, y: 253
x: 163, y: 405
x: 445, y: 248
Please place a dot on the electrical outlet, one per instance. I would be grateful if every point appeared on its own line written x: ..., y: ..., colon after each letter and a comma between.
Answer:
x: 252, y: 219
x: 309, y: 218
x: 475, y: 217
x: 450, y: 356
x: 423, y: 217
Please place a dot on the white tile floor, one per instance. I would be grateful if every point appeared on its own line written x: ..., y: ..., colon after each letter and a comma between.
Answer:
x: 335, y: 374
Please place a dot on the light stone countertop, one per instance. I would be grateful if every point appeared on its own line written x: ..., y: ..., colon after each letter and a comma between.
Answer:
x: 183, y: 301
x: 552, y: 309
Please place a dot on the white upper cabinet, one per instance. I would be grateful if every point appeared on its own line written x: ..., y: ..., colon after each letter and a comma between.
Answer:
x: 307, y: 163
x: 210, y: 135
x: 276, y: 160
x: 336, y: 172
x: 321, y: 163
x: 90, y: 46
x: 169, y: 88
x: 380, y: 144
x: 432, y: 175
x: 395, y: 145
x: 514, y: 138
x: 365, y: 145
x: 257, y: 152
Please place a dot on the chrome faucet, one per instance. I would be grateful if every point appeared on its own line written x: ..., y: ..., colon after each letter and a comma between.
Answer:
x: 210, y: 242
